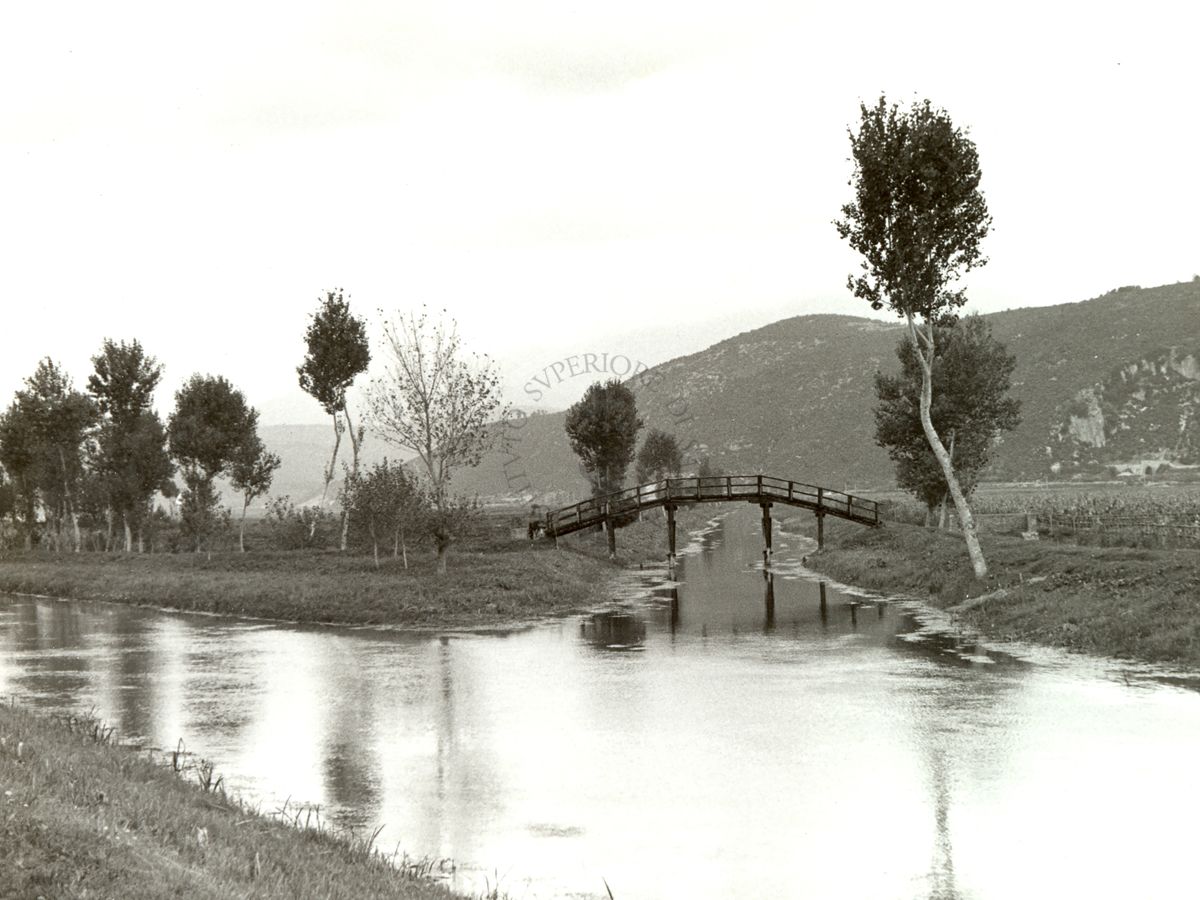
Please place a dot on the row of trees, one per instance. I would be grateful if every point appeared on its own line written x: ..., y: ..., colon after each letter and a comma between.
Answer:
x: 97, y: 458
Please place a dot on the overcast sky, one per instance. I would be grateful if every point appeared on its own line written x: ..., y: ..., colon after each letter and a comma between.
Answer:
x: 639, y: 178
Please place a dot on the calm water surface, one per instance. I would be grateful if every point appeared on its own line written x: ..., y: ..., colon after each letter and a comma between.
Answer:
x: 715, y: 737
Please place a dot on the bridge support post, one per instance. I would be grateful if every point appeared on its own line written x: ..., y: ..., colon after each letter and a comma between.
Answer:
x: 670, y: 507
x: 822, y: 599
x: 820, y: 531
x: 766, y: 527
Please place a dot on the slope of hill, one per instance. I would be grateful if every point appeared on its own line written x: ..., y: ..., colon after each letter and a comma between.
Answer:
x: 1106, y: 384
x: 796, y: 397
x: 304, y: 452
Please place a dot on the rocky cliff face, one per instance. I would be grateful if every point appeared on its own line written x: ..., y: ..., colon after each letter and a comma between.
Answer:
x: 1144, y: 415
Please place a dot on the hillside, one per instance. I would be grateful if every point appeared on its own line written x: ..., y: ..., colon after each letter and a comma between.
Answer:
x: 304, y: 452
x: 1111, y: 383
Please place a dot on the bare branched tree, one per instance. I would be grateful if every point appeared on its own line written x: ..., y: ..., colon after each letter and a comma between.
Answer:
x: 436, y: 402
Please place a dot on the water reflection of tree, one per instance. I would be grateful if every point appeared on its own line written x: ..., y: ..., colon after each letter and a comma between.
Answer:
x: 48, y: 676
x: 945, y: 702
x: 135, y: 684
x: 616, y: 630
x: 350, y: 764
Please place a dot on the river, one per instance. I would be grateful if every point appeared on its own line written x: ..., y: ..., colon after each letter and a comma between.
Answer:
x: 719, y: 736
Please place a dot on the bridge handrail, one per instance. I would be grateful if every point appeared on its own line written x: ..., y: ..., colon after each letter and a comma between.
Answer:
x: 711, y: 488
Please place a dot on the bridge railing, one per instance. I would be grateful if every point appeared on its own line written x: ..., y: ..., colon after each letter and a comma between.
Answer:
x: 710, y: 488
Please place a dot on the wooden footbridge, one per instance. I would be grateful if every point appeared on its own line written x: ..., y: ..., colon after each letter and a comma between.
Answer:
x: 671, y: 493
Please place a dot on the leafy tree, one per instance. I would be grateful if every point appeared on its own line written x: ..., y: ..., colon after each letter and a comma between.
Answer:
x: 971, y: 378
x: 207, y: 432
x: 133, y: 464
x: 8, y: 506
x: 131, y: 456
x: 338, y: 352
x: 918, y: 218
x: 19, y: 456
x: 387, y: 501
x: 659, y: 457
x: 49, y: 429
x: 437, y: 404
x: 602, y: 428
x: 251, y: 474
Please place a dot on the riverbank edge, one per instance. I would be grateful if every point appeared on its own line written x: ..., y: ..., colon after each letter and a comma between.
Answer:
x: 86, y: 816
x: 493, y: 589
x: 1117, y: 602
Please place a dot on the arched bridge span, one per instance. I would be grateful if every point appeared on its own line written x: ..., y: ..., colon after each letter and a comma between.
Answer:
x: 764, y: 490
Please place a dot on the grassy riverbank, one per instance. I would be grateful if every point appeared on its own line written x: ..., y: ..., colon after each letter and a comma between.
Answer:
x: 80, y: 817
x: 488, y: 584
x: 1122, y: 602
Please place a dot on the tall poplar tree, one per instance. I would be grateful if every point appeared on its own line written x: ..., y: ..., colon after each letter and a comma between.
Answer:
x: 918, y: 218
x: 338, y: 352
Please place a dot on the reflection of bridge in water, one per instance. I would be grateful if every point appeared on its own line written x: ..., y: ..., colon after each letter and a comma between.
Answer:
x: 671, y: 493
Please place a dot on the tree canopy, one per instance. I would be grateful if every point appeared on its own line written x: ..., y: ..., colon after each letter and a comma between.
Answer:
x: 659, y: 457
x: 210, y: 425
x: 918, y: 217
x: 602, y: 428
x: 337, y: 352
x: 971, y: 379
x: 124, y: 380
x: 210, y: 429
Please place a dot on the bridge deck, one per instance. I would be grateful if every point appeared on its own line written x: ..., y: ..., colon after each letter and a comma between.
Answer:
x: 712, y: 489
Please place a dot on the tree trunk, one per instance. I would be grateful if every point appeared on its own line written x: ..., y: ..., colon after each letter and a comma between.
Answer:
x: 141, y: 539
x: 611, y: 528
x: 69, y: 506
x: 965, y: 519
x: 355, y: 437
x: 942, y: 514
x: 337, y: 443
x: 128, y: 533
x: 441, y: 557
x: 374, y: 541
x: 242, y: 525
